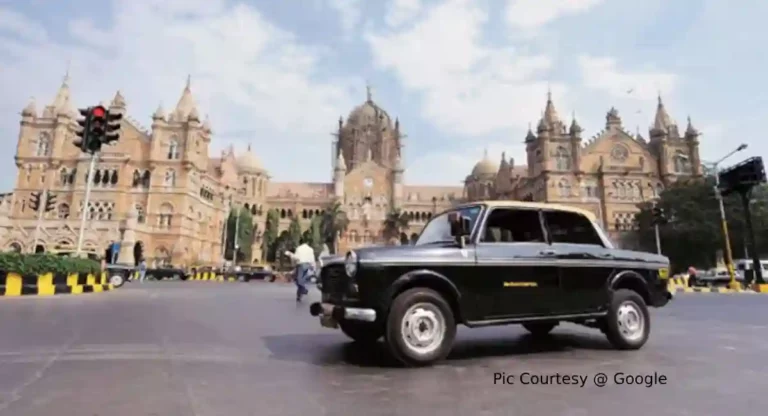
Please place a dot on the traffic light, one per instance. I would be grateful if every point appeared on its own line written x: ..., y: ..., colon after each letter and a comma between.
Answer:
x: 98, y: 127
x: 50, y: 202
x: 659, y: 216
x: 745, y: 175
x: 34, y: 201
x: 82, y: 141
x: 112, y: 127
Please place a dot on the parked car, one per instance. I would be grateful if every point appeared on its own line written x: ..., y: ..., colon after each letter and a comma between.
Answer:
x: 493, y: 263
x: 166, y: 272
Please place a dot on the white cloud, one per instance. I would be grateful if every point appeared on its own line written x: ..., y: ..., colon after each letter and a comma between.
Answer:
x: 350, y: 13
x: 19, y: 25
x: 468, y: 88
x: 246, y: 72
x: 402, y: 11
x: 602, y: 73
x: 532, y: 14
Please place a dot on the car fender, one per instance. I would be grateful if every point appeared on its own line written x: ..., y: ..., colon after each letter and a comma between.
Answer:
x: 633, y: 278
x: 423, y: 275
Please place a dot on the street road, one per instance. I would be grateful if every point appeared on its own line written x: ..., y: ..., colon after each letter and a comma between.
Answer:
x: 237, y: 349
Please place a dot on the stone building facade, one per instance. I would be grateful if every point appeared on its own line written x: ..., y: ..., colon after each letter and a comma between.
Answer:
x: 610, y: 173
x: 160, y: 185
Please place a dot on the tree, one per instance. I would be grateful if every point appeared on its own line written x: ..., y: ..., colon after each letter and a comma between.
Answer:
x: 270, y: 235
x: 294, y: 234
x: 245, y: 231
x: 282, y: 244
x: 334, y: 222
x: 395, y: 223
x: 693, y: 235
x: 315, y: 234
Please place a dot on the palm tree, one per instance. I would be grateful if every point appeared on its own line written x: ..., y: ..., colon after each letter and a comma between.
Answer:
x: 395, y: 223
x: 334, y: 222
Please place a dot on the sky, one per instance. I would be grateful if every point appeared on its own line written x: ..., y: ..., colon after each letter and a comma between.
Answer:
x: 463, y: 76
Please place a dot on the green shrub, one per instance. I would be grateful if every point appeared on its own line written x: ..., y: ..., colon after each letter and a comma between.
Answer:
x: 46, y: 263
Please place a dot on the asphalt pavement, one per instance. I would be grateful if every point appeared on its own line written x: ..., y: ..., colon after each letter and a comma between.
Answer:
x: 239, y: 349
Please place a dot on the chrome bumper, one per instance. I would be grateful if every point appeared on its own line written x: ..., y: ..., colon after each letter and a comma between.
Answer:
x: 338, y: 313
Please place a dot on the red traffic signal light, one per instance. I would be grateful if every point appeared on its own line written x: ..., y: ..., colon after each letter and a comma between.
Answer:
x: 99, y: 111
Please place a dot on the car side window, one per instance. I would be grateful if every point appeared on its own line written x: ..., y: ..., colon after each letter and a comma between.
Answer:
x: 571, y: 228
x: 508, y: 225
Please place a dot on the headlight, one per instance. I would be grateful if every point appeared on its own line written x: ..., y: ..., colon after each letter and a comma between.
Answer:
x: 350, y: 265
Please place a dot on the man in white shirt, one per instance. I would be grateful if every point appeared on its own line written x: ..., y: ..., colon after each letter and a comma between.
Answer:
x: 304, y: 256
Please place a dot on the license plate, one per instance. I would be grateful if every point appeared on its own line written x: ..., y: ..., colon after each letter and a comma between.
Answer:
x: 328, y: 322
x: 663, y: 274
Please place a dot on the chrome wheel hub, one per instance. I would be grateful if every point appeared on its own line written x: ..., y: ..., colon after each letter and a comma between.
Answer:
x: 423, y: 328
x: 631, y: 321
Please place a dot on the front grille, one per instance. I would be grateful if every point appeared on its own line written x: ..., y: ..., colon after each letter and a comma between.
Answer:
x: 334, y: 279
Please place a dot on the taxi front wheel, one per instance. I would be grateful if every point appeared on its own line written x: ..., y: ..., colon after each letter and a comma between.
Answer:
x: 628, y: 323
x: 420, y: 328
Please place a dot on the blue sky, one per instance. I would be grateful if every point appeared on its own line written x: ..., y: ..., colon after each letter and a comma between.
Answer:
x: 462, y: 75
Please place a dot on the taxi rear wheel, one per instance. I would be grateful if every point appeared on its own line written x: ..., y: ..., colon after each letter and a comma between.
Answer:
x: 421, y: 327
x: 362, y: 332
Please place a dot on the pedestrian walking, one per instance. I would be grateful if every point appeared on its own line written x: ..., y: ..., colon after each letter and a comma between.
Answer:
x: 692, y: 277
x: 142, y: 270
x: 304, y: 257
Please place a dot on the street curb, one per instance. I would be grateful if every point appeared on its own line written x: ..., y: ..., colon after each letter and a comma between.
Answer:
x: 15, y: 284
x: 50, y: 290
x: 212, y: 277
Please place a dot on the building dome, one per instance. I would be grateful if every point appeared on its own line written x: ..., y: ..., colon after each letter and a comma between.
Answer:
x: 247, y: 162
x: 484, y: 168
x: 368, y: 113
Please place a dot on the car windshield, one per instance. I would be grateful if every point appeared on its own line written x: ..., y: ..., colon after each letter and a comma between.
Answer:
x: 603, y: 235
x: 439, y: 229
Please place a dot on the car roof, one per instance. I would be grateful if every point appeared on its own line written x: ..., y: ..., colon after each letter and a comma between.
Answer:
x: 531, y: 205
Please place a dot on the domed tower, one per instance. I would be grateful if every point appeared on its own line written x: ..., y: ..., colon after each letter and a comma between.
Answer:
x: 480, y: 183
x: 253, y: 183
x: 369, y: 130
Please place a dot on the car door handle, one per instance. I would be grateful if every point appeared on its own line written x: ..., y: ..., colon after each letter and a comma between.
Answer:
x: 548, y: 252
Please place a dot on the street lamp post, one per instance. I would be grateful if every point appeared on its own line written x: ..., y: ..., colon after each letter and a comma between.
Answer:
x: 723, y: 222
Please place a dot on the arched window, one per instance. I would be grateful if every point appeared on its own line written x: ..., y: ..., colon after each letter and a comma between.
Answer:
x: 63, y: 177
x: 564, y: 188
x: 141, y: 218
x: 682, y: 163
x: 43, y: 145
x: 562, y: 159
x: 173, y: 149
x: 170, y: 178
x: 63, y: 211
x: 145, y: 179
x: 166, y: 214
x: 14, y: 247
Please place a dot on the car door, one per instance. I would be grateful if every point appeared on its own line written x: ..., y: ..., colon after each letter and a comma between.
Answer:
x: 583, y: 261
x: 516, y: 278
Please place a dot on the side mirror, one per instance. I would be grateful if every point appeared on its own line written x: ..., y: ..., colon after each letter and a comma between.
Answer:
x: 459, y: 225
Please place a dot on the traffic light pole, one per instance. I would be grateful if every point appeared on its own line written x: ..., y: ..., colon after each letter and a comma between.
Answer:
x: 756, y: 266
x: 87, y: 198
x: 40, y: 211
x: 658, y: 239
x: 733, y: 284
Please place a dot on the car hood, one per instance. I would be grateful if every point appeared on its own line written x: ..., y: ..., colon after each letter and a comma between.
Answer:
x: 640, y: 257
x: 432, y: 252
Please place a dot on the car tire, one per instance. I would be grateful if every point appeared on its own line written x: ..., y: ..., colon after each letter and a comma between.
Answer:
x: 116, y: 280
x: 362, y: 332
x: 432, y: 313
x: 540, y: 329
x: 628, y: 323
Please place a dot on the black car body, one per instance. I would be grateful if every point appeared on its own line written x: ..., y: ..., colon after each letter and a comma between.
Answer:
x: 494, y: 263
